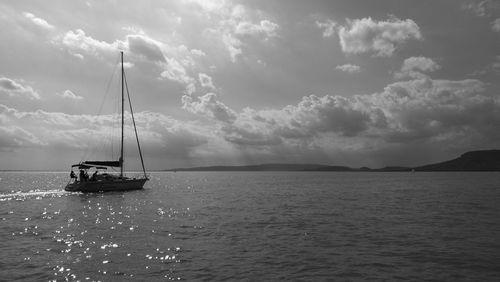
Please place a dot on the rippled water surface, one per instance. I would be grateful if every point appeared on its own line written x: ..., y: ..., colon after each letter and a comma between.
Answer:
x: 254, y: 226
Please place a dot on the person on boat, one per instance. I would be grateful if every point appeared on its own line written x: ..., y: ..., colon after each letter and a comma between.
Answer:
x: 82, y: 175
x: 72, y: 175
x: 94, y: 176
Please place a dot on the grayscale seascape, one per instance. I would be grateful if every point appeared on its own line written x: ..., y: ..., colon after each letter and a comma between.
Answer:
x: 263, y: 140
x: 254, y: 226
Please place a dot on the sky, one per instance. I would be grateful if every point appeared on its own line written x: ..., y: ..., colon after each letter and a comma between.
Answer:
x: 219, y: 82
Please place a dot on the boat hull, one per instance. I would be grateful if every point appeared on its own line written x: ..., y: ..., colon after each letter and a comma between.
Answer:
x: 106, y: 185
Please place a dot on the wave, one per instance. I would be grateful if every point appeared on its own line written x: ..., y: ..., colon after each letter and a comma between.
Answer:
x: 32, y: 193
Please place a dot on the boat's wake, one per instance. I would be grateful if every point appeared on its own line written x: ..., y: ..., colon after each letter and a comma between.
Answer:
x: 36, y: 194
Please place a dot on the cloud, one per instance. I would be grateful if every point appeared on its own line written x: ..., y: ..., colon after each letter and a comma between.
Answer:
x: 414, y: 67
x: 145, y: 46
x: 495, y: 25
x: 38, y: 21
x: 172, y: 63
x: 417, y: 113
x: 329, y: 27
x: 13, y: 88
x: 67, y: 94
x: 349, y: 68
x: 206, y: 81
x: 233, y: 45
x: 311, y: 117
x: 210, y: 5
x: 265, y: 27
x: 158, y: 133
x: 77, y: 41
x: 481, y: 8
x: 139, y: 45
x: 208, y: 106
x: 426, y: 110
x: 13, y: 137
x: 128, y: 65
x: 198, y: 52
x: 234, y: 25
x: 382, y: 38
x: 231, y: 26
x: 314, y: 115
x: 496, y: 63
x: 174, y: 70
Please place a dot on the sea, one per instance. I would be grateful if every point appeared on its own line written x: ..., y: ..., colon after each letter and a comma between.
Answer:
x: 254, y: 226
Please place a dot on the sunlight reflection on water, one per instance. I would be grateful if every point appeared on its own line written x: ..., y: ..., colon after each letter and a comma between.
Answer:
x: 255, y: 226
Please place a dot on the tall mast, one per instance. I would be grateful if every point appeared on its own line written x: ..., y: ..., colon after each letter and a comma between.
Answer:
x: 123, y: 106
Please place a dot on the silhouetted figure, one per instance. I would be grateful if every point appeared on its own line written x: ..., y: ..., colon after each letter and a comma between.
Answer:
x: 82, y: 175
x: 94, y: 176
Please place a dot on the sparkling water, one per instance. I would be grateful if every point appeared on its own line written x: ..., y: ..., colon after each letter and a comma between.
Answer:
x: 254, y: 226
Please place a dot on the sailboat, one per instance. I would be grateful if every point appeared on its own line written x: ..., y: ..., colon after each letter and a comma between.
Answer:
x: 101, y: 181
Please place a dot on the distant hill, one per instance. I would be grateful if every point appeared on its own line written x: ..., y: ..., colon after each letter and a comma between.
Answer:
x: 262, y: 167
x: 486, y: 160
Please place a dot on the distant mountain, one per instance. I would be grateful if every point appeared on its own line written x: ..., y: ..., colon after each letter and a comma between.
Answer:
x: 487, y: 160
x: 262, y: 167
x: 335, y: 168
x: 393, y: 168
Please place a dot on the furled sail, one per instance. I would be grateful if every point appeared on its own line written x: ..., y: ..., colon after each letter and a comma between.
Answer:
x: 103, y: 163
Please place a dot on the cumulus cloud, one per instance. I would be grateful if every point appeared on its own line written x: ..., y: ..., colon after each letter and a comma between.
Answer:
x: 158, y: 133
x: 382, y: 37
x: 208, y: 105
x: 317, y: 115
x: 174, y: 70
x: 328, y: 26
x: 233, y: 45
x: 67, y: 94
x: 407, y: 114
x: 495, y: 25
x: 173, y: 62
x: 414, y: 67
x: 77, y: 41
x: 349, y: 68
x: 206, y: 81
x: 429, y: 111
x: 481, y: 8
x: 139, y: 45
x: 145, y: 46
x: 311, y: 117
x: 233, y: 24
x: 38, y: 21
x: 14, y: 88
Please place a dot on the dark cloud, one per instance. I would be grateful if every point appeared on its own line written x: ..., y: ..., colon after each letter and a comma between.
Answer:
x: 145, y: 46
